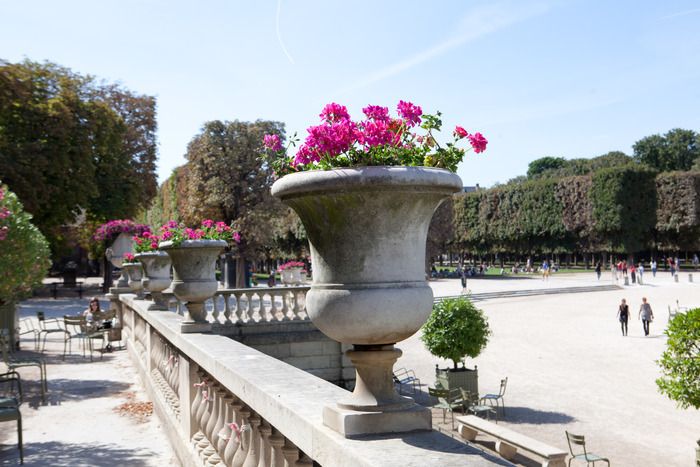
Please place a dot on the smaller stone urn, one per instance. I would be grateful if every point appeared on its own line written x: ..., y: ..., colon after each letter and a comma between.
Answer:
x: 194, y: 278
x: 292, y: 276
x: 156, y: 276
x: 134, y: 272
x: 115, y: 255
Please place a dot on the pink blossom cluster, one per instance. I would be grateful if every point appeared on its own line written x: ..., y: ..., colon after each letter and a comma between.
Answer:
x: 291, y: 264
x: 129, y: 258
x: 272, y: 142
x: 146, y: 241
x: 208, y: 230
x: 110, y: 230
x: 477, y: 140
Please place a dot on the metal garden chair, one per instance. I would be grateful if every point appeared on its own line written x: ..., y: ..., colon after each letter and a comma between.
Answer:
x: 10, y: 400
x: 473, y: 405
x: 26, y: 326
x: 585, y: 456
x: 77, y: 328
x: 13, y: 363
x: 48, y: 326
x: 497, y: 398
x: 405, y: 377
x: 448, y: 399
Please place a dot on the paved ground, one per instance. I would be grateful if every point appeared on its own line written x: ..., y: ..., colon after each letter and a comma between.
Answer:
x: 569, y: 368
x: 78, y: 425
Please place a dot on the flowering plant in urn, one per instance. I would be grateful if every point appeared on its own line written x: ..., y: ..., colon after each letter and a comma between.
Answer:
x: 365, y: 192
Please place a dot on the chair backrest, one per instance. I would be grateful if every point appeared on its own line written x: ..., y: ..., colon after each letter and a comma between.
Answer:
x: 75, y: 324
x: 439, y: 393
x: 11, y: 379
x: 504, y: 383
x: 575, y: 440
x: 468, y: 396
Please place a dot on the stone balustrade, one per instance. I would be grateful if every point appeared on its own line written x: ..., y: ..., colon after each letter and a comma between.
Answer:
x: 223, y: 403
x: 236, y: 307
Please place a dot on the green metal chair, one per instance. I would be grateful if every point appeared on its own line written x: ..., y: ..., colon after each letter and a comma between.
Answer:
x: 10, y: 400
x: 14, y: 363
x: 26, y: 326
x: 472, y: 404
x: 448, y: 399
x: 77, y: 328
x: 48, y: 326
x: 497, y: 398
x: 585, y: 456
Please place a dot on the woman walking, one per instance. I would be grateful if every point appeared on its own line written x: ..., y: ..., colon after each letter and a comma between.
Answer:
x: 623, y: 314
x: 646, y: 315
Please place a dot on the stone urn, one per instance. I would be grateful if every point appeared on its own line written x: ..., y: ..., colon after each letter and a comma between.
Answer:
x: 156, y: 276
x: 134, y: 273
x: 367, y: 229
x: 194, y: 277
x: 292, y: 276
x: 115, y: 255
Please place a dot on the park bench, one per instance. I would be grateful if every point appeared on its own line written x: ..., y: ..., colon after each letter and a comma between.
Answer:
x: 68, y: 284
x: 508, y: 441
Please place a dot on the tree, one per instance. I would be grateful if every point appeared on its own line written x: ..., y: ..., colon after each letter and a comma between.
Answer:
x: 539, y: 166
x: 228, y: 179
x: 441, y: 231
x: 69, y: 145
x: 676, y: 150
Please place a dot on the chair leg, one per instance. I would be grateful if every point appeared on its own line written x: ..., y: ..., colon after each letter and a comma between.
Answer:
x: 19, y: 436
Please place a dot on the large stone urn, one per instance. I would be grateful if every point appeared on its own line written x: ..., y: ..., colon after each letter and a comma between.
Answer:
x: 134, y: 273
x: 156, y: 276
x: 115, y: 255
x: 367, y: 229
x: 194, y: 278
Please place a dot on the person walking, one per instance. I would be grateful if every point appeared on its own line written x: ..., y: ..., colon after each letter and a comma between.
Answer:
x: 640, y: 273
x: 653, y: 268
x: 623, y: 314
x: 633, y: 273
x: 597, y: 269
x: 646, y: 315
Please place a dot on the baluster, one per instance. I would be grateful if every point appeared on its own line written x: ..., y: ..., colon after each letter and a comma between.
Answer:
x: 239, y: 307
x: 211, y: 423
x: 276, y: 444
x: 285, y: 306
x: 273, y: 307
x: 290, y: 453
x: 204, y: 417
x: 227, y: 309
x: 215, y: 309
x: 305, y: 461
x: 265, y: 432
x: 220, y: 420
x: 260, y: 308
x: 253, y: 456
x: 225, y: 432
x: 246, y: 431
x: 197, y: 405
x: 295, y: 306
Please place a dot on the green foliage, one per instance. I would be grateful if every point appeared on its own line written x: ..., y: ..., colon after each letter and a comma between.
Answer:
x: 539, y: 166
x: 624, y: 206
x: 680, y: 362
x: 676, y: 150
x: 455, y: 329
x: 69, y: 143
x: 24, y: 252
x: 678, y: 210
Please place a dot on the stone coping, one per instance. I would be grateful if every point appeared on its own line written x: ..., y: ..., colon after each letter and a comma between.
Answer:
x: 292, y: 401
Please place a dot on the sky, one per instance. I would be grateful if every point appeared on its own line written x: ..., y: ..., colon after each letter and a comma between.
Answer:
x: 537, y: 78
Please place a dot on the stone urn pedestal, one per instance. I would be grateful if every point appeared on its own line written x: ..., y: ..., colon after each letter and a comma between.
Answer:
x: 194, y: 278
x: 367, y: 230
x: 134, y: 273
x: 156, y: 276
x: 115, y: 255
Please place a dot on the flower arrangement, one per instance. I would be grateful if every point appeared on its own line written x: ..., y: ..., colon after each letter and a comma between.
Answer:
x: 208, y: 230
x: 378, y: 139
x: 145, y: 242
x: 129, y: 258
x: 111, y: 230
x: 290, y: 264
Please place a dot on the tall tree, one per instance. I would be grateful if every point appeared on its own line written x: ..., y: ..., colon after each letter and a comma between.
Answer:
x: 676, y: 150
x: 544, y: 164
x: 228, y: 179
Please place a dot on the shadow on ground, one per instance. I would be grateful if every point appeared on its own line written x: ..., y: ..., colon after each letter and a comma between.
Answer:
x: 73, y: 455
x: 528, y: 415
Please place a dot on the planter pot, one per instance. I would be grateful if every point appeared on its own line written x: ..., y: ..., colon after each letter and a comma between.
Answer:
x: 292, y: 276
x: 134, y: 273
x: 367, y: 230
x: 194, y: 277
x: 156, y: 276
x: 449, y: 378
x: 115, y: 255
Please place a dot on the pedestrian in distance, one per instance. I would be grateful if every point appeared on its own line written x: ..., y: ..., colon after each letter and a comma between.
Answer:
x: 653, y: 267
x: 623, y: 314
x: 646, y: 315
x: 633, y: 273
x: 640, y: 273
x: 597, y: 269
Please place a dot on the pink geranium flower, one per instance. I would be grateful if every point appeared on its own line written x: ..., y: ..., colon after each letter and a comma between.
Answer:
x: 478, y: 142
x: 460, y: 132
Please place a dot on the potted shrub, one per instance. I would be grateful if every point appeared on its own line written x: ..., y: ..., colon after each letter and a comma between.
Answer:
x: 365, y: 192
x: 456, y: 329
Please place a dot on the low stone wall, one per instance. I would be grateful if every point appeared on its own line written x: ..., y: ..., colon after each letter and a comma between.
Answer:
x: 200, y: 383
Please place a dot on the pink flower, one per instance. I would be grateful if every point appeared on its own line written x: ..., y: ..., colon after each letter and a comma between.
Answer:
x: 236, y: 237
x: 334, y: 112
x: 478, y: 142
x: 460, y: 132
x: 4, y: 213
x: 409, y: 112
x: 377, y: 112
x: 272, y: 142
x: 154, y: 245
x: 208, y: 223
x: 167, y: 235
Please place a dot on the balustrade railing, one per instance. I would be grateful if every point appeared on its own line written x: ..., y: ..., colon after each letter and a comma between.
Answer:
x: 225, y: 404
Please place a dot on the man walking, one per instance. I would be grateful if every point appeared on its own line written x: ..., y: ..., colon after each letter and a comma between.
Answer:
x: 646, y: 315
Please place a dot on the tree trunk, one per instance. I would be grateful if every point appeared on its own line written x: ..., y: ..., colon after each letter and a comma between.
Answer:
x: 106, y: 274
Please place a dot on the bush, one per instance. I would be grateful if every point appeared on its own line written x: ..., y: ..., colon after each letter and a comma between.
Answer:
x: 680, y: 362
x: 456, y: 329
x: 24, y: 252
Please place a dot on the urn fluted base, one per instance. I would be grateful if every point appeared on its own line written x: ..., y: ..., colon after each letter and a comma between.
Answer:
x: 374, y: 406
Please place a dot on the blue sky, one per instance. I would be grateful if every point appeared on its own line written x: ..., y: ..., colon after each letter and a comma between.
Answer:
x: 544, y: 78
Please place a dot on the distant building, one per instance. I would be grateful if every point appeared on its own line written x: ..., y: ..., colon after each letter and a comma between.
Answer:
x: 469, y: 189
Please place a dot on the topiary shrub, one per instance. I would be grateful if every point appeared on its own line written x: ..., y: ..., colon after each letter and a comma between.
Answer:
x: 456, y: 329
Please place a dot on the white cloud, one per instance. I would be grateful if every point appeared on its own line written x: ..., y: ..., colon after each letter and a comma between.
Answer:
x: 681, y: 13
